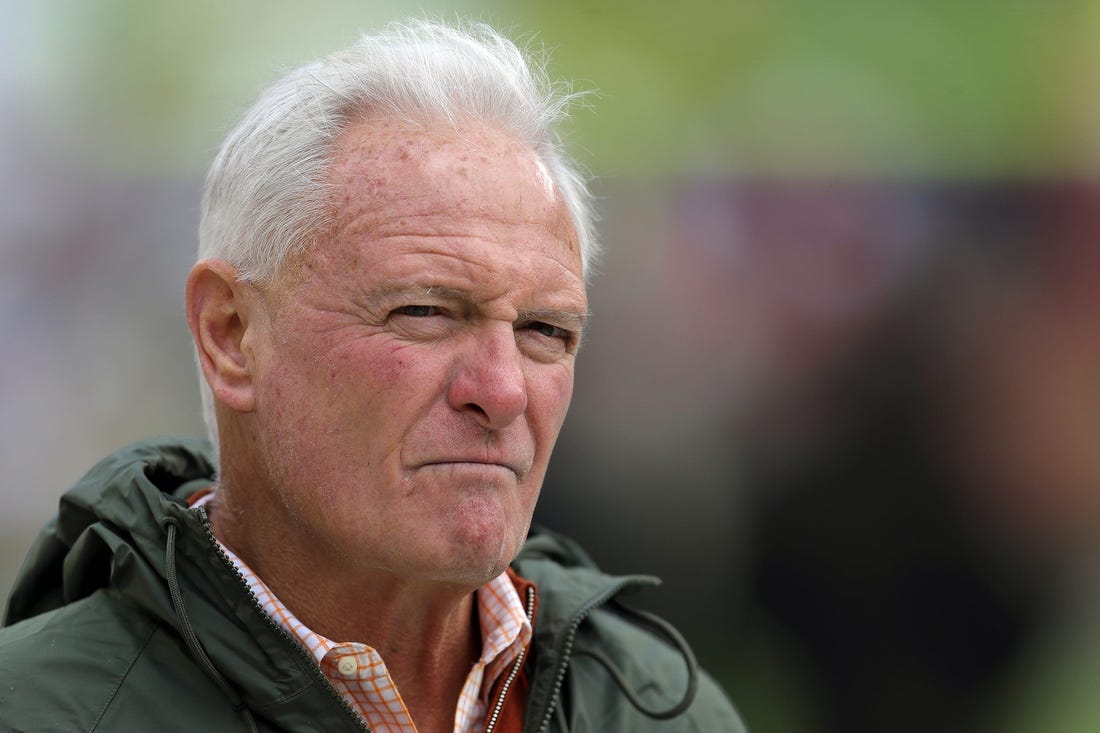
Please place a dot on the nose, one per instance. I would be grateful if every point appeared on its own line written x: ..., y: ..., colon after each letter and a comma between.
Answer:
x: 489, y: 382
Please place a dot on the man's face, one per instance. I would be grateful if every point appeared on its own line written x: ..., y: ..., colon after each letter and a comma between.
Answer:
x: 414, y: 367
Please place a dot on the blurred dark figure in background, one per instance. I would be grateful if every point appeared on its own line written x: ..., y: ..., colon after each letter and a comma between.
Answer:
x: 909, y: 554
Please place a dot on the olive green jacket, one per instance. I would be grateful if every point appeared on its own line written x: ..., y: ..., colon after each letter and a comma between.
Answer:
x: 127, y: 617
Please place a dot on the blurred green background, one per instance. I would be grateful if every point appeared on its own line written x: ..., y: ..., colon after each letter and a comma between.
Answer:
x: 843, y: 384
x: 979, y: 89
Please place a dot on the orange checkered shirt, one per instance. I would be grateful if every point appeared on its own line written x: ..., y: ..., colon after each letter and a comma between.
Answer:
x: 360, y: 676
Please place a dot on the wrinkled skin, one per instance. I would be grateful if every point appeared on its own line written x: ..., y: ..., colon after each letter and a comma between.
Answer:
x: 407, y: 376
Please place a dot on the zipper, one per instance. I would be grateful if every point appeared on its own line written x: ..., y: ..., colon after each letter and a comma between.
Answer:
x: 567, y: 645
x: 311, y: 664
x: 516, y: 667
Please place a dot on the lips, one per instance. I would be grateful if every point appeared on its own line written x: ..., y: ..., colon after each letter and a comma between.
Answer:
x: 513, y: 466
x: 452, y: 448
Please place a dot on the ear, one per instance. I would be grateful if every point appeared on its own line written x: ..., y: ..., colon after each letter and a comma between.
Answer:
x: 219, y: 315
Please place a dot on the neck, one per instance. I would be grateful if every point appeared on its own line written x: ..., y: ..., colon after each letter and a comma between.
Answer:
x: 427, y: 633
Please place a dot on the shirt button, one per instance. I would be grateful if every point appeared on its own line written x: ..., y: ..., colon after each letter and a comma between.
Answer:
x: 347, y: 665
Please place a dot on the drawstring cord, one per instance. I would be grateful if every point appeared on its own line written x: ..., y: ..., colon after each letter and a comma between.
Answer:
x: 660, y: 626
x: 188, y: 630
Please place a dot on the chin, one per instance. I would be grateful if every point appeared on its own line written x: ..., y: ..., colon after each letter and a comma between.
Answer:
x: 480, y: 557
x: 470, y: 574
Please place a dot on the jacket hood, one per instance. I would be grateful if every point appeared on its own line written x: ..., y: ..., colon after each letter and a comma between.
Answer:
x: 109, y: 525
x: 126, y: 528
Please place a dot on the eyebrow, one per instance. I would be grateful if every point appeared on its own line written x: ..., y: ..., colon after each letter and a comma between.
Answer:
x: 566, y: 318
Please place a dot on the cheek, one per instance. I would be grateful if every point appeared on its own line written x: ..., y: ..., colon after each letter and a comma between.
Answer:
x: 380, y: 388
x: 314, y: 393
x: 386, y: 366
x: 549, y: 396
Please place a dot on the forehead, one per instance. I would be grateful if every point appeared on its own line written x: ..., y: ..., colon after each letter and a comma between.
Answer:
x: 386, y: 171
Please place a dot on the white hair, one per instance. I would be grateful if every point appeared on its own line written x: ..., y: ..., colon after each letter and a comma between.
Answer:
x: 266, y: 197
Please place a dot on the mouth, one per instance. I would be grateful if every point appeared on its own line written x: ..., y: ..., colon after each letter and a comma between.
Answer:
x: 475, y: 464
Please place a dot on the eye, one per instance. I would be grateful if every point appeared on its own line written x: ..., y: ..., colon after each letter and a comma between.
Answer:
x: 417, y: 311
x: 418, y: 321
x: 546, y: 342
x: 550, y: 331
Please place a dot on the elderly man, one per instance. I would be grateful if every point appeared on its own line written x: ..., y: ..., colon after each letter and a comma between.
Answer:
x: 387, y: 307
